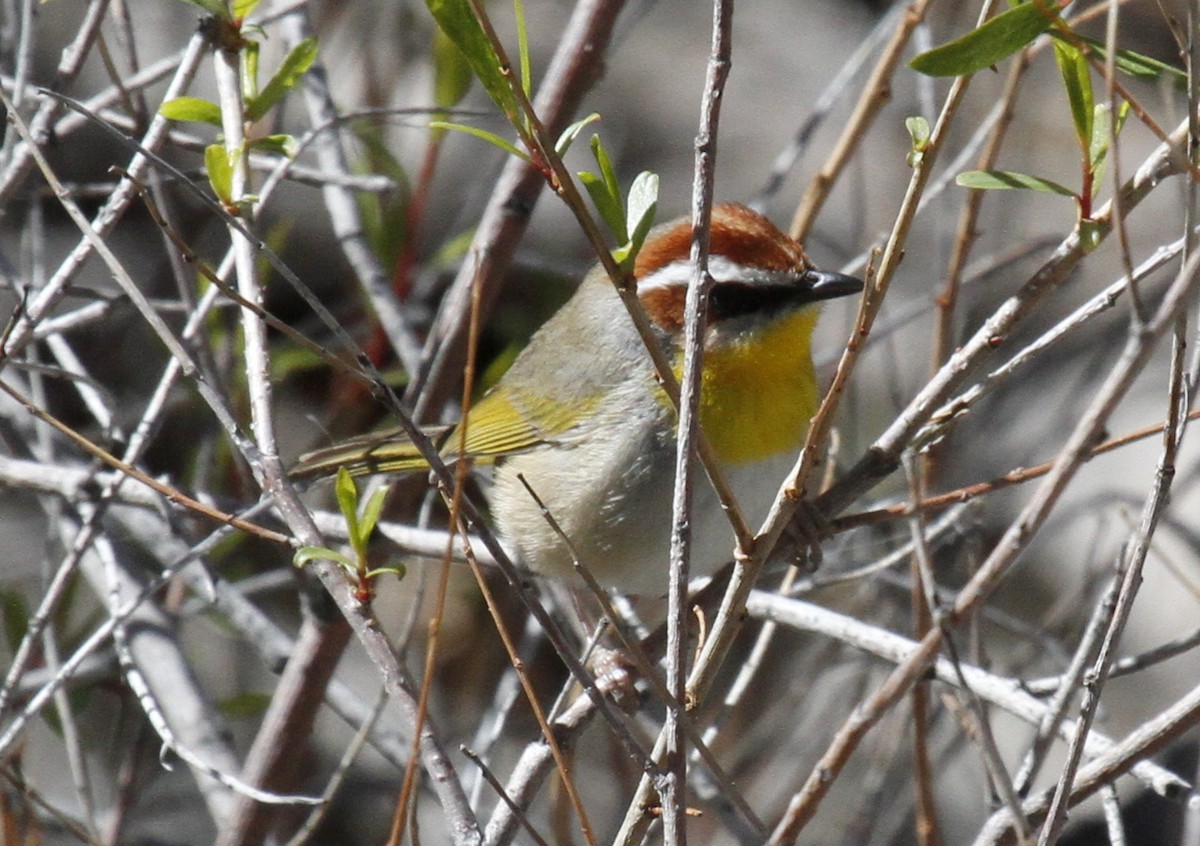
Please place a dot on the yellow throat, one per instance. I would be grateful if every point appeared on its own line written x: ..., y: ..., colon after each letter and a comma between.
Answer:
x: 760, y: 392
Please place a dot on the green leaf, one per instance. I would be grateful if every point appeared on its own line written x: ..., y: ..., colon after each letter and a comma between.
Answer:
x: 450, y: 254
x: 609, y: 175
x: 1098, y: 143
x: 451, y: 73
x: 1006, y: 179
x: 1131, y: 63
x: 280, y: 145
x: 490, y: 137
x: 568, y: 136
x: 312, y: 553
x: 996, y: 40
x: 397, y: 570
x: 371, y: 512
x: 220, y: 172
x: 191, y: 109
x: 641, y: 208
x: 346, y: 493
x: 243, y: 8
x: 919, y: 135
x: 642, y: 203
x: 605, y: 192
x: 918, y: 131
x: 290, y: 360
x: 606, y: 204
x: 294, y: 66
x: 1078, y: 81
x: 385, y: 216
x: 523, y: 47
x: 457, y: 20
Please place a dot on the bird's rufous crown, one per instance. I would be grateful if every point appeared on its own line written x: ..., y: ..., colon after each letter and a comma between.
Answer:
x: 756, y: 269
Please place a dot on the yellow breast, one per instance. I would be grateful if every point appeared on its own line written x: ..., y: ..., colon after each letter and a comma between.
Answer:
x: 760, y: 391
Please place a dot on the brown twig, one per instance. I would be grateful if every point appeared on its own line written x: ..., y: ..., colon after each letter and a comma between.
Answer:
x: 923, y: 602
x: 673, y: 796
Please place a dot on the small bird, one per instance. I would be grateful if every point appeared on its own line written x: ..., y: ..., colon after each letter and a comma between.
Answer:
x: 581, y: 418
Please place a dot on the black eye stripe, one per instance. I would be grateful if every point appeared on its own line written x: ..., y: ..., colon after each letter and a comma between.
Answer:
x: 729, y: 299
x: 735, y: 299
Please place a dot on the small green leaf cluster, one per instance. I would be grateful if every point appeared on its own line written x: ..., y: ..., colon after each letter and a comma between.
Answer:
x: 1014, y: 30
x: 461, y: 50
x: 228, y: 17
x: 457, y: 21
x: 360, y: 524
x: 628, y: 219
x: 919, y: 135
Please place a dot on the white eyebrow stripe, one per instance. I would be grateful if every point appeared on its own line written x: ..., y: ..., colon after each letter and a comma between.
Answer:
x: 722, y: 269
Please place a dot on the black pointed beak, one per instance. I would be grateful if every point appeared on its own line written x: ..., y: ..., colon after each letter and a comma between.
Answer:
x: 826, y: 285
x: 734, y: 299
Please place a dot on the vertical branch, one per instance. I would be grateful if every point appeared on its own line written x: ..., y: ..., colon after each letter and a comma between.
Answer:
x: 923, y: 595
x: 674, y: 797
x: 1137, y: 308
x: 226, y: 69
x: 1190, y: 211
x: 1191, y: 831
x: 298, y: 696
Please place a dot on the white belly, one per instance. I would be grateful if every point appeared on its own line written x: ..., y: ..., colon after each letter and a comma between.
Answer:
x: 613, y: 500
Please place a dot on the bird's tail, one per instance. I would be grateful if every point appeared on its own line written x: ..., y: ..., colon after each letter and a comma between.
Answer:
x: 379, y: 452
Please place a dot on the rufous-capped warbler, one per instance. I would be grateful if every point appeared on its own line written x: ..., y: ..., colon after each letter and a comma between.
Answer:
x: 580, y: 416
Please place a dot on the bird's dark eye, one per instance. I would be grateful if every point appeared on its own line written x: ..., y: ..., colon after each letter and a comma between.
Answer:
x: 727, y: 300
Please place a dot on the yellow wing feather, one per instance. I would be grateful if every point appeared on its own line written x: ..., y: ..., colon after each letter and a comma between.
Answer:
x: 505, y: 421
x: 502, y: 422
